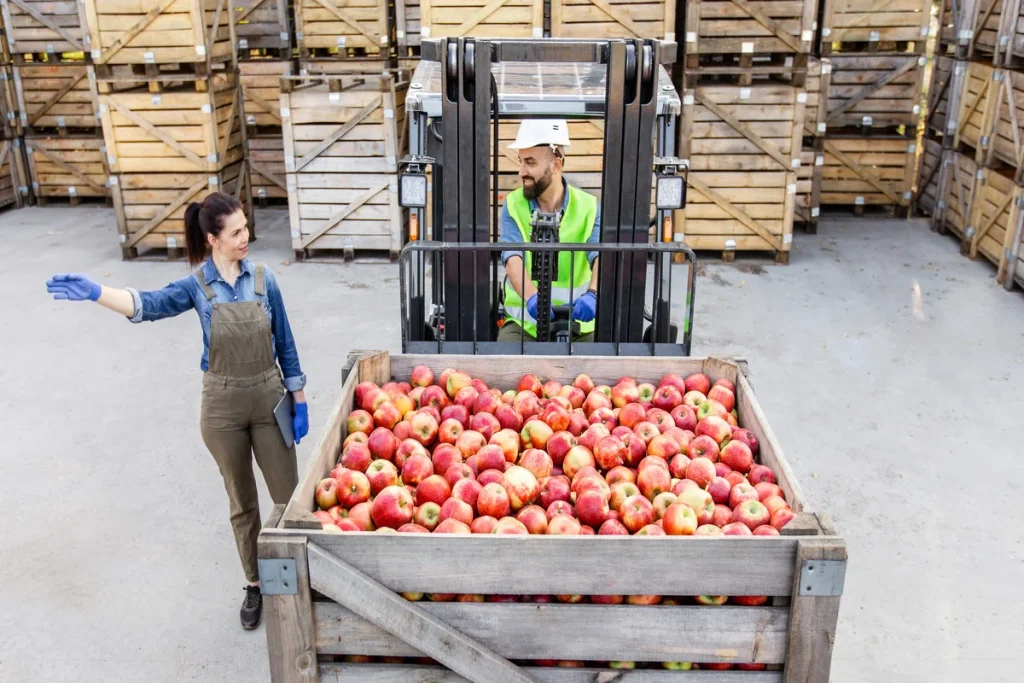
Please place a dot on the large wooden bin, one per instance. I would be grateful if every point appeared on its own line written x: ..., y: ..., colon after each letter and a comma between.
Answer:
x: 333, y: 596
x: 495, y: 19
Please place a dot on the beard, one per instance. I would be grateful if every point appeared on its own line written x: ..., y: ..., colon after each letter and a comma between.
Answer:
x: 537, y: 187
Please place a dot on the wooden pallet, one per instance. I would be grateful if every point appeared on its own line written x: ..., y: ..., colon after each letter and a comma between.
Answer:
x: 345, y: 29
x: 995, y: 220
x: 956, y: 191
x: 13, y: 184
x: 176, y: 131
x: 613, y: 19
x: 875, y: 92
x: 495, y: 19
x: 262, y: 25
x: 160, y: 31
x: 928, y: 193
x: 343, y: 136
x: 346, y: 605
x: 861, y: 172
x: 261, y: 93
x: 44, y: 27
x: 58, y: 98
x: 266, y: 170
x: 408, y: 19
x: 972, y: 28
x: 150, y: 206
x: 867, y: 25
x: 744, y: 147
x: 944, y: 95
x: 67, y: 168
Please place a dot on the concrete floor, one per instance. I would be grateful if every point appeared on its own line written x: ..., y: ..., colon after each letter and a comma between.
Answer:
x: 117, y: 559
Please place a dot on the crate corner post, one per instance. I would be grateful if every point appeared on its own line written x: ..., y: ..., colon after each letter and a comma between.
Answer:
x: 287, y: 609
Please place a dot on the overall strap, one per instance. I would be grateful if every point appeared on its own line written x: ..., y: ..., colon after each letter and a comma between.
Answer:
x: 207, y: 289
x: 258, y: 285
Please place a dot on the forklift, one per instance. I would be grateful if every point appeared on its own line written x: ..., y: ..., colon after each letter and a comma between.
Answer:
x: 450, y: 274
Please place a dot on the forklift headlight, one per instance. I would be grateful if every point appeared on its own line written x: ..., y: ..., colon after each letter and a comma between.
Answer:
x: 412, y: 191
x: 670, y: 193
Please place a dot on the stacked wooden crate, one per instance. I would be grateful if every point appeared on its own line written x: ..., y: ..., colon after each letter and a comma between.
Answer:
x: 338, y: 36
x: 343, y: 136
x: 13, y: 187
x: 172, y: 114
x: 976, y: 110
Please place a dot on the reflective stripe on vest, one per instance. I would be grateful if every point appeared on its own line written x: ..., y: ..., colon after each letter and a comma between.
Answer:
x: 576, y: 228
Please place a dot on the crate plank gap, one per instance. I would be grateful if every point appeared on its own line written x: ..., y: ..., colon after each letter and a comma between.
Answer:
x: 869, y: 173
x: 875, y: 94
x: 744, y: 148
x: 343, y: 136
x: 332, y: 608
x: 343, y: 30
x: 745, y: 38
x: 262, y: 28
x: 654, y: 19
x: 870, y: 26
x: 494, y: 19
x: 44, y: 27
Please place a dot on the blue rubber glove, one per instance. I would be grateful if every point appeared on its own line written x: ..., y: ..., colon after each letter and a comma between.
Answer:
x: 73, y: 287
x: 585, y: 308
x: 531, y: 307
x: 300, y: 421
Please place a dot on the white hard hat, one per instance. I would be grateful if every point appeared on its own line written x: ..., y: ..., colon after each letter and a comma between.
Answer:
x: 541, y: 132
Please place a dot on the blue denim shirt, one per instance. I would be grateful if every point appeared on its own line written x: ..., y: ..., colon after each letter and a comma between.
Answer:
x: 186, y: 293
x: 509, y: 231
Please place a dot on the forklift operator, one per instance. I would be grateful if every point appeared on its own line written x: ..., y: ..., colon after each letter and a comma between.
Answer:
x: 540, y: 144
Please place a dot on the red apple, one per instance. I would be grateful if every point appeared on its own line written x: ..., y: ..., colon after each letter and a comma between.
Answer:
x: 723, y: 515
x: 434, y: 489
x: 359, y: 421
x: 372, y: 399
x: 701, y: 503
x: 483, y: 525
x: 508, y: 441
x: 490, y: 457
x: 457, y: 472
x: 486, y: 424
x: 453, y: 508
x: 403, y: 430
x: 487, y: 402
x: 520, y: 484
x: 574, y: 395
x: 760, y: 473
x: 413, y: 528
x: 563, y: 525
x: 510, y: 526
x: 592, y: 508
x: 583, y: 383
x: 387, y: 415
x: 392, y: 507
x: 766, y: 530
x: 577, y: 458
x: 703, y: 446
x: 604, y: 416
x: 723, y: 396
x: 381, y: 474
x: 698, y: 382
x: 356, y: 456
x: 684, y: 417
x: 722, y: 470
x: 556, y: 416
x: 715, y: 427
x: 767, y: 490
x: 450, y: 430
x: 508, y: 418
x: 327, y: 493
x: 623, y: 393
x: 636, y: 513
x: 736, y: 529
x: 741, y: 493
x: 456, y: 382
x: 362, y: 516
x: 445, y: 455
x: 653, y: 480
x: 725, y: 383
x: 682, y: 484
x: 707, y: 530
x: 751, y: 513
x: 427, y: 515
x: 611, y: 527
x: 554, y: 489
x: 746, y: 436
x: 469, y: 442
x: 493, y: 501
x: 353, y: 488
x: 701, y: 471
x: 660, y: 419
x: 737, y: 456
x: 654, y: 529
x: 526, y: 404
x: 558, y: 446
x: 661, y: 503
x: 535, y: 434
x: 735, y: 478
x: 424, y: 427
x: 679, y: 520
x: 782, y: 517
x: 416, y: 468
x: 677, y: 465
x: 667, y: 398
x: 490, y: 477
x: 773, y: 503
x: 663, y: 446
x: 452, y: 526
x: 407, y: 449
x: 592, y: 435
x: 578, y: 422
x: 619, y: 493
x: 619, y: 473
x: 631, y: 415
x: 530, y: 383
x: 609, y: 452
x: 416, y: 393
x: 636, y: 449
x: 355, y: 437
x: 537, y: 462
x: 382, y: 444
x: 466, y: 490
x: 434, y: 396
x: 719, y: 488
x: 534, y: 519
x: 560, y: 507
x: 421, y: 376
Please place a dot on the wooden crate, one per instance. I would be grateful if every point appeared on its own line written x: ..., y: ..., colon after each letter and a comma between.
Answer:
x: 67, y: 168
x: 740, y: 30
x: 176, y: 131
x: 346, y: 602
x: 857, y: 25
x: 262, y: 25
x: 495, y: 19
x: 261, y: 93
x: 583, y: 158
x: 354, y: 66
x: 266, y: 170
x: 807, y: 207
x: 613, y: 19
x: 150, y: 207
x: 995, y: 219
x: 44, y: 26
x: 10, y: 112
x: 875, y: 92
x: 1009, y: 50
x: 972, y: 28
x: 868, y: 171
x: 819, y: 76
x: 408, y: 26
x: 352, y: 28
x: 57, y: 98
x: 944, y: 95
x: 1015, y: 261
x: 12, y: 178
x: 956, y: 190
x: 744, y: 147
x: 343, y: 136
x: 928, y: 190
x: 995, y: 133
x: 160, y: 31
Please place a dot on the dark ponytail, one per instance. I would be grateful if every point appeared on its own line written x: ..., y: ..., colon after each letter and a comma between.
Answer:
x: 206, y: 219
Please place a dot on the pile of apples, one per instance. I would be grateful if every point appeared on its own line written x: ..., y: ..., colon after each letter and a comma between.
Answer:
x: 458, y: 456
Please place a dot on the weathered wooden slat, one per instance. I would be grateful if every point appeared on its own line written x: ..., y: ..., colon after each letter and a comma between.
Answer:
x: 734, y: 211
x: 401, y: 673
x: 338, y: 134
x: 350, y: 587
x: 49, y: 23
x: 291, y: 646
x: 768, y: 23
x: 343, y: 213
x: 813, y: 619
x: 155, y: 132
x: 336, y: 11
x: 599, y: 632
x: 34, y: 145
x: 135, y: 30
x: 167, y: 211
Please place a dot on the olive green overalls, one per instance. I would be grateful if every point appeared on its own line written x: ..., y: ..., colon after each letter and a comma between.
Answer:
x: 240, y: 391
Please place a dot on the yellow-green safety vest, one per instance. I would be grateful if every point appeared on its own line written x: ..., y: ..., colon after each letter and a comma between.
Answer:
x: 576, y: 228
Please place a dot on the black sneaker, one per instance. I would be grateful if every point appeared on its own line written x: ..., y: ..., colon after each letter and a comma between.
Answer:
x: 252, y: 608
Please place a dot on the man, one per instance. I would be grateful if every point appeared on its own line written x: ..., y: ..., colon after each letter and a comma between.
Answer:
x: 541, y: 143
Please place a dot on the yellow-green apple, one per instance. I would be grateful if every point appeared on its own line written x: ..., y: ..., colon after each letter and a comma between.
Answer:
x: 711, y: 408
x: 466, y: 398
x: 559, y: 507
x: 684, y: 416
x: 746, y: 436
x: 453, y: 508
x: 456, y: 381
x: 701, y: 471
x: 508, y: 418
x: 612, y: 527
x: 433, y: 489
x: 553, y: 489
x: 723, y: 515
x: 661, y: 503
x: 720, y: 488
x: 424, y: 427
x: 470, y: 442
x: 459, y: 471
x: 621, y: 665
x: 677, y: 466
x: 404, y: 404
x: 456, y: 412
x: 359, y: 421
x: 381, y: 474
x: 529, y: 382
x: 773, y: 503
x: 736, y: 529
x: 392, y: 507
x: 782, y: 517
x: 698, y: 382
x: 510, y: 526
x: 592, y: 507
x: 677, y: 666
x: 353, y: 488
x: 407, y: 449
x: 483, y: 525
x: 491, y: 457
x: 486, y: 424
x: 427, y: 515
x: 556, y: 417
x: 707, y: 530
x: 592, y: 435
x: 578, y: 422
x: 752, y: 513
x: 487, y: 402
x: 583, y: 383
x: 537, y: 462
x: 509, y: 396
x: 667, y: 398
x: 421, y: 376
x: 742, y: 493
x: 679, y: 520
x: 577, y: 458
x: 636, y: 512
x: 493, y: 501
x: 534, y: 519
x: 722, y: 470
x: 759, y: 473
x: 535, y: 434
x: 680, y: 485
x: 625, y: 392
x: 737, y: 456
x: 596, y: 400
x: 356, y: 456
x: 609, y: 452
x: 767, y: 490
x: 701, y: 503
x: 711, y: 601
x: 490, y: 477
x: 663, y: 446
x: 466, y: 490
x: 766, y: 530
x: 413, y: 528
x: 645, y: 393
x: 703, y: 446
x: 723, y: 396
x: 694, y: 399
x: 362, y: 516
x: 520, y: 484
x: 715, y: 427
x: 653, y: 480
x: 619, y: 473
x: 382, y: 444
x: 355, y: 437
x: 563, y: 525
x: 452, y: 526
x: 643, y: 599
x: 660, y: 419
x: 327, y: 493
x: 558, y: 446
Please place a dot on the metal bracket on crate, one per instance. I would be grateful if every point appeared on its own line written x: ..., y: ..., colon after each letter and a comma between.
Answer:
x: 277, y: 577
x: 820, y: 578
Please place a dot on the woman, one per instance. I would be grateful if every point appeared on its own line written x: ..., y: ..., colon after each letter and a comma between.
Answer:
x: 245, y: 336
